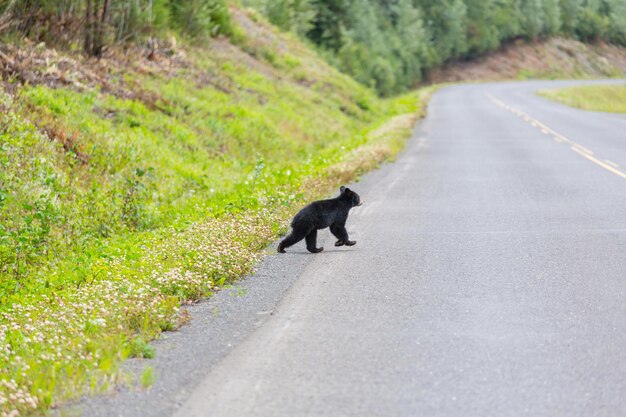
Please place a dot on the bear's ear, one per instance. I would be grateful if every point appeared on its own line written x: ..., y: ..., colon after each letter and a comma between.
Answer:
x: 342, y: 189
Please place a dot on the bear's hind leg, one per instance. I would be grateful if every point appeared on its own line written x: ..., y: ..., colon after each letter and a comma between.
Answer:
x: 311, y: 242
x: 294, y: 237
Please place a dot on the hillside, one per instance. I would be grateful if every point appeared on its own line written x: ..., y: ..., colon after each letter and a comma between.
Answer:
x: 391, y: 45
x: 148, y: 178
x: 386, y: 45
x: 553, y: 58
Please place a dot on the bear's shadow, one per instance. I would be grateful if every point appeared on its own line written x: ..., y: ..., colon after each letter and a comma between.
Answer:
x: 331, y: 250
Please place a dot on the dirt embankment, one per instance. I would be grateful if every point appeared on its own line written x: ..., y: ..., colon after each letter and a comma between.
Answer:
x: 553, y: 58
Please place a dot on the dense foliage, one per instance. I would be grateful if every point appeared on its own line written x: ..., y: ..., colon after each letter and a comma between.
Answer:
x: 98, y: 23
x: 391, y: 44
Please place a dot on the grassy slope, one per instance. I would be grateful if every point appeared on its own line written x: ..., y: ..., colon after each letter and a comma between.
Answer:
x: 607, y: 98
x: 122, y: 198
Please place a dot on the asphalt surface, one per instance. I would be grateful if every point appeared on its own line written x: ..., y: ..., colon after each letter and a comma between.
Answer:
x: 489, y: 279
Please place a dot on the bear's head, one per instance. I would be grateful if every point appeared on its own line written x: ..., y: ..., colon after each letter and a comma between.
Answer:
x: 350, y: 196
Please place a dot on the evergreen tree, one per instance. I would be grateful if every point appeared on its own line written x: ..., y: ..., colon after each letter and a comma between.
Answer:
x: 592, y: 24
x: 411, y: 48
x: 507, y: 18
x: 446, y: 26
x: 551, y: 17
x: 570, y: 12
x: 532, y: 18
x: 482, y: 33
x: 293, y: 15
x: 617, y: 21
x: 327, y: 23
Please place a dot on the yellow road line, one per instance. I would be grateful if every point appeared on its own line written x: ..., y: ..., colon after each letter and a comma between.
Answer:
x: 600, y: 163
x: 579, y: 149
x: 582, y: 148
x: 563, y: 138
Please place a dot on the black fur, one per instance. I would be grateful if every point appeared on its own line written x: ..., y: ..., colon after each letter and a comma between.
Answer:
x: 321, y: 214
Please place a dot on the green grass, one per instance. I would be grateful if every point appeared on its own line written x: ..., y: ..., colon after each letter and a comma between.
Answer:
x: 606, y: 98
x: 115, y: 209
x: 549, y: 74
x: 147, y: 377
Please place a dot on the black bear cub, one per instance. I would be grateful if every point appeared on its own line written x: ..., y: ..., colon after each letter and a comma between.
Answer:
x: 320, y: 215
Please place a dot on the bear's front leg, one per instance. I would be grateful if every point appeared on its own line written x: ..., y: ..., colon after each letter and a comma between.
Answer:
x: 341, y: 234
x: 311, y: 242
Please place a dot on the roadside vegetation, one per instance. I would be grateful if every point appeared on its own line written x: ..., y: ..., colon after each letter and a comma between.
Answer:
x: 389, y: 46
x: 607, y: 98
x: 141, y: 181
x: 95, y: 25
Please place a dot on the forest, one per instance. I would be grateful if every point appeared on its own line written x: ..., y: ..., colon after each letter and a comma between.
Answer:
x: 392, y: 44
x: 387, y: 45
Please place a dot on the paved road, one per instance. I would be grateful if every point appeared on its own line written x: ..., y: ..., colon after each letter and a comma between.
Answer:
x: 489, y: 279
